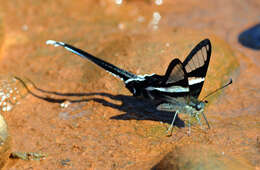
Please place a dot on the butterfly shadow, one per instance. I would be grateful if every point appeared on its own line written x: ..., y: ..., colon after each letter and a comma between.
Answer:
x: 133, y: 108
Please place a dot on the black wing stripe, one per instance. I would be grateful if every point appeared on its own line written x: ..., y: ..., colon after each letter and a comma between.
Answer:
x: 195, y: 89
x: 199, y: 72
x: 125, y: 75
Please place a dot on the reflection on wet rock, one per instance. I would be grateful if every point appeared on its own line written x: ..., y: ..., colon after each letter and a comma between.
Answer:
x: 118, y: 2
x: 11, y: 91
x: 72, y: 112
x: 158, y: 2
x: 155, y: 20
x: 4, y: 142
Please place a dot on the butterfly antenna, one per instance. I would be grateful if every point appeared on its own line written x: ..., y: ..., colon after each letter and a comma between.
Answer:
x: 230, y: 82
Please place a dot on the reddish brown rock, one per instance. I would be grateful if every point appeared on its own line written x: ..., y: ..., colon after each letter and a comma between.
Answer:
x: 201, y: 157
x: 143, y: 38
x: 1, y: 36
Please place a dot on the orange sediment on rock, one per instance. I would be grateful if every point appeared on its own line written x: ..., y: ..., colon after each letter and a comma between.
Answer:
x: 1, y: 35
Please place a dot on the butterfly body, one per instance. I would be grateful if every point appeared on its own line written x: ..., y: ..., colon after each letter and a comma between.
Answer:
x: 192, y: 107
x: 177, y: 90
x: 137, y: 86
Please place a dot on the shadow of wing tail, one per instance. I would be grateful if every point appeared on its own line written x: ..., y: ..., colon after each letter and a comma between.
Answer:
x: 115, y: 71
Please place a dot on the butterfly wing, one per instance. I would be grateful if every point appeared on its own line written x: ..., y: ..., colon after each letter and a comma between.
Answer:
x: 176, y: 74
x: 176, y: 79
x: 174, y: 82
x: 173, y: 85
x: 196, y: 65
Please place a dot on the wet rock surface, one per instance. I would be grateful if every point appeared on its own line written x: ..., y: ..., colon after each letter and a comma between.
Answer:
x: 201, y: 157
x: 105, y: 128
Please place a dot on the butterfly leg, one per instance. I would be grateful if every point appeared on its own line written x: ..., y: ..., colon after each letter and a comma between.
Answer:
x: 189, y: 125
x: 205, y: 119
x: 173, y: 120
x: 198, y: 119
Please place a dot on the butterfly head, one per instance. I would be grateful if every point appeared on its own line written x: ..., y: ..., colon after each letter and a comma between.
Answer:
x: 197, y: 105
x: 200, y: 106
